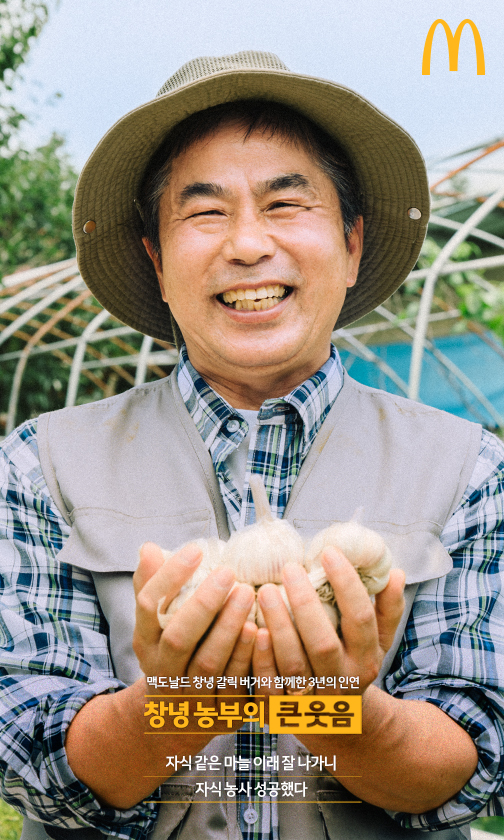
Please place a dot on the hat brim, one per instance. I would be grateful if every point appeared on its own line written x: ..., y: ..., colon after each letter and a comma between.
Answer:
x: 390, y: 168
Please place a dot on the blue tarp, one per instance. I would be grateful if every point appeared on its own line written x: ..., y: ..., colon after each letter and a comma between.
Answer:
x: 480, y: 362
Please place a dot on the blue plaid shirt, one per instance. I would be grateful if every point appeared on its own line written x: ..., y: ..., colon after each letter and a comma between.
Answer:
x: 54, y: 638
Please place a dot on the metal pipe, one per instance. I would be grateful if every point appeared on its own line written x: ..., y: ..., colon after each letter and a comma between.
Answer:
x: 369, y: 356
x: 430, y: 282
x: 73, y: 380
x: 66, y: 343
x: 32, y: 291
x: 453, y: 368
x: 21, y: 365
x: 41, y: 271
x: 70, y: 286
x: 142, y: 360
x: 441, y: 221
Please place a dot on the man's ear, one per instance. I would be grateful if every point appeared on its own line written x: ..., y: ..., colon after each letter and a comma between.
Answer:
x: 156, y: 261
x: 355, y: 244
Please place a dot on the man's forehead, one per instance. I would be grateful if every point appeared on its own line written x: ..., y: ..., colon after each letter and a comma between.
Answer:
x: 284, y: 163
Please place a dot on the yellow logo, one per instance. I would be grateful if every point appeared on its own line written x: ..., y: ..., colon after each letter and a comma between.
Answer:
x: 453, y: 46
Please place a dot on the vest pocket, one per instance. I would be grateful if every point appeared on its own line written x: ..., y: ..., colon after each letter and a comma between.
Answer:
x: 108, y: 541
x: 177, y: 800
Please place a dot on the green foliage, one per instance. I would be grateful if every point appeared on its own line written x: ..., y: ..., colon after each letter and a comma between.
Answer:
x: 20, y: 22
x: 36, y: 187
x: 10, y: 822
x: 467, y: 291
x: 494, y: 825
x: 36, y: 193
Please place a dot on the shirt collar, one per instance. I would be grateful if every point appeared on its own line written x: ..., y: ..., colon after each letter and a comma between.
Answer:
x: 310, y: 402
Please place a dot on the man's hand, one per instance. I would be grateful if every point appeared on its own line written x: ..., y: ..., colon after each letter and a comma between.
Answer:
x: 209, y: 636
x: 106, y: 743
x: 314, y: 648
x: 411, y: 756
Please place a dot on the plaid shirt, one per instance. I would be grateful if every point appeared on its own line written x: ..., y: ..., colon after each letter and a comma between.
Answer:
x: 279, y: 443
x: 55, y: 646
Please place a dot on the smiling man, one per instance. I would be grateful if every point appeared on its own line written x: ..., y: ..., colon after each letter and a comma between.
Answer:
x: 253, y: 227
x: 244, y: 213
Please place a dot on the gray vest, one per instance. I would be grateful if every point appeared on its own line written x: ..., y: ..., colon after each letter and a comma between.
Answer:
x: 134, y: 468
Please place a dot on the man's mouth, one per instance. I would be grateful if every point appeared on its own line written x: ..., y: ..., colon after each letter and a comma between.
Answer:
x: 255, y: 299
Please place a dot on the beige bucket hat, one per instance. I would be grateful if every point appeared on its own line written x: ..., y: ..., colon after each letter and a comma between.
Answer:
x: 389, y: 166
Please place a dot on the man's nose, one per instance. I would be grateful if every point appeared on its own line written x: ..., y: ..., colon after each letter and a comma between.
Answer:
x: 248, y: 240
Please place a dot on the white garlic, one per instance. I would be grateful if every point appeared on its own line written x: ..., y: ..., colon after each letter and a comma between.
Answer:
x: 212, y: 549
x: 258, y: 553
x: 365, y: 549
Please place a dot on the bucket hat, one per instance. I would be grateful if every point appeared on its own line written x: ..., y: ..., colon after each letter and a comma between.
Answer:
x: 387, y: 162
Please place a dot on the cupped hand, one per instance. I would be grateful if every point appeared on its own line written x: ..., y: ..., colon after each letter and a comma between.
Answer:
x: 209, y: 636
x: 311, y: 646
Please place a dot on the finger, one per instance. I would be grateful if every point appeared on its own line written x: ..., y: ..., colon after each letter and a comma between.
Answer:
x: 156, y: 577
x: 151, y: 559
x: 358, y: 620
x: 214, y: 653
x: 389, y: 607
x: 240, y: 661
x: 288, y: 650
x: 185, y: 629
x: 263, y: 660
x: 318, y: 635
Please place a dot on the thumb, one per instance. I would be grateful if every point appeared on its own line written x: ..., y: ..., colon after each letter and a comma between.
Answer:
x: 152, y: 558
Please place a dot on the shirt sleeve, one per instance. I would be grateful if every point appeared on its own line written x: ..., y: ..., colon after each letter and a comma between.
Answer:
x: 452, y: 653
x: 54, y: 654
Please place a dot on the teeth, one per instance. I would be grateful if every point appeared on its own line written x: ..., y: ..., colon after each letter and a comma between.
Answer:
x: 265, y: 293
x: 265, y: 303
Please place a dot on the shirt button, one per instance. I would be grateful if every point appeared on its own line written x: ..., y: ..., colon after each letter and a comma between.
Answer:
x: 233, y: 425
x: 250, y: 816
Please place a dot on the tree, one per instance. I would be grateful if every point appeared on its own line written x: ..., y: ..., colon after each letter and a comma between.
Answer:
x: 36, y: 187
x: 20, y: 22
x: 36, y: 193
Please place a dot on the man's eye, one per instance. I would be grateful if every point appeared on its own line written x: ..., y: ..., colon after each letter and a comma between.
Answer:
x: 285, y: 205
x: 207, y: 213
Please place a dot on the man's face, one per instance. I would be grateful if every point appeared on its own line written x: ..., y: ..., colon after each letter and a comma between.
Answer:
x: 254, y: 219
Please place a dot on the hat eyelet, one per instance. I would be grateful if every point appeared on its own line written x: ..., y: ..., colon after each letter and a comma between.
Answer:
x: 414, y: 213
x: 90, y: 226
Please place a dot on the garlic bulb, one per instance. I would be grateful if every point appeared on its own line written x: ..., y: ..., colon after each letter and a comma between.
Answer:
x: 259, y: 552
x: 212, y: 549
x: 365, y: 549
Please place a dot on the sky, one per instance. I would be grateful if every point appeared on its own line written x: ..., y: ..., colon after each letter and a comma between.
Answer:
x: 106, y: 57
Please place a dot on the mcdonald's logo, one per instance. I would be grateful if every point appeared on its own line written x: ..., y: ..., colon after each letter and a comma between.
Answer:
x: 453, y: 46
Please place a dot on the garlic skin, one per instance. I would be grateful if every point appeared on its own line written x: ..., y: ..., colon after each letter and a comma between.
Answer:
x: 212, y: 549
x: 259, y: 552
x: 365, y: 549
